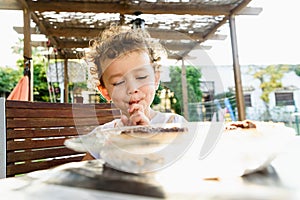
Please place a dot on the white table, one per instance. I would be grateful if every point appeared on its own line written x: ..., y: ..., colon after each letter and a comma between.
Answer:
x: 278, y: 181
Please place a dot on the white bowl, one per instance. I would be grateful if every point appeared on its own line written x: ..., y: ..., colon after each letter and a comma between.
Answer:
x: 231, y: 153
x: 135, y: 152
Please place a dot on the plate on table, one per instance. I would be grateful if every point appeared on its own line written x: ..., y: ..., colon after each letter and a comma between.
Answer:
x: 136, y: 149
x: 235, y: 152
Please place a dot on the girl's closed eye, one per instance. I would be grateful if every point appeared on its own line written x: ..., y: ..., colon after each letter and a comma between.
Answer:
x: 118, y: 83
x: 142, y: 77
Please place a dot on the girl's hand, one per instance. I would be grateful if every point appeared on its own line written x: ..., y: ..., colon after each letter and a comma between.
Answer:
x: 137, y: 116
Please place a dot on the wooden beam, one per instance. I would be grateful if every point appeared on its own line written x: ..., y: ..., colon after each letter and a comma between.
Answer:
x: 3, y: 145
x: 44, y: 30
x: 75, y: 32
x: 40, y: 24
x: 38, y: 43
x: 66, y: 81
x: 182, y: 49
x: 20, y: 30
x: 225, y: 19
x: 27, y: 54
x: 154, y: 32
x: 237, y: 72
x: 240, y: 7
x: 144, y: 7
x: 218, y: 37
x: 184, y: 89
x: 66, y: 55
x: 10, y: 5
x: 164, y: 34
x: 40, y: 6
x: 174, y: 57
x: 178, y: 46
x: 94, y: 32
x: 250, y: 11
x: 172, y: 46
x: 215, y: 28
x: 73, y: 44
x: 77, y: 55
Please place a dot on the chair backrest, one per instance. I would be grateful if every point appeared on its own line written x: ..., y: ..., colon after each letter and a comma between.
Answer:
x: 36, y: 131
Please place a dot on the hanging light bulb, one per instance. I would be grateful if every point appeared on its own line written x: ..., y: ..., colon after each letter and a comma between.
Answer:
x: 138, y: 22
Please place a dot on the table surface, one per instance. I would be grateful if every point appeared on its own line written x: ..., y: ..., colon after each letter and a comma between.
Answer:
x: 94, y: 180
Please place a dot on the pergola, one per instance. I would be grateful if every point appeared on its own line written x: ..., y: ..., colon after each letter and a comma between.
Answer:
x: 180, y: 25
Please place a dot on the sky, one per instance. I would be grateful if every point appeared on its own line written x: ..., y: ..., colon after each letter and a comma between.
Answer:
x: 272, y: 37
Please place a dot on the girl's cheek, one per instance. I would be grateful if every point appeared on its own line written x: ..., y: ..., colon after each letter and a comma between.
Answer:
x: 118, y: 94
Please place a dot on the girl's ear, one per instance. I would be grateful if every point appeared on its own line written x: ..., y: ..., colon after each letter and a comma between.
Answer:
x: 104, y: 92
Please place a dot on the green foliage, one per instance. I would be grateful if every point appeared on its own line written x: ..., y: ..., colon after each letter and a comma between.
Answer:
x: 9, y: 78
x: 297, y: 70
x: 40, y: 85
x: 193, y: 76
x: 156, y: 99
x: 270, y: 78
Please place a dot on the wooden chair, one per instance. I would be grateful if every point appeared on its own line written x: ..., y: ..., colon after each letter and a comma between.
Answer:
x: 33, y: 133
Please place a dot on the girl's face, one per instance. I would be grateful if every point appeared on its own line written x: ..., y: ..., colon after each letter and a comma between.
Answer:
x: 131, y: 79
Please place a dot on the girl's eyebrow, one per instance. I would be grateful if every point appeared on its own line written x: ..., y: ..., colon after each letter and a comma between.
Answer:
x: 137, y: 69
x: 142, y: 68
x: 115, y: 75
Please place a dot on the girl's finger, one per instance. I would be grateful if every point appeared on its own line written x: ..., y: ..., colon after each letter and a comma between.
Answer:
x: 124, y: 120
x: 134, y: 108
x: 139, y: 118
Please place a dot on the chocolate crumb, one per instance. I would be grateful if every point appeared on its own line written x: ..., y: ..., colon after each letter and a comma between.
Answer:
x: 148, y: 129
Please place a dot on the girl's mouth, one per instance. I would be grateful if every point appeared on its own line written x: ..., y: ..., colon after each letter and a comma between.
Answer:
x: 134, y: 102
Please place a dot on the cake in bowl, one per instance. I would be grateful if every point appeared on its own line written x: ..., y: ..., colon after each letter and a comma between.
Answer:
x: 135, y: 149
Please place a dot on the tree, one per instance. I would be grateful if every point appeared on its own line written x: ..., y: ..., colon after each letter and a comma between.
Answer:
x: 193, y: 76
x: 297, y: 70
x: 270, y: 79
x: 40, y: 85
x: 9, y: 79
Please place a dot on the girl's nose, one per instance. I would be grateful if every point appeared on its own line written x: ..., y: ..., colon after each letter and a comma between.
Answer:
x: 132, y: 88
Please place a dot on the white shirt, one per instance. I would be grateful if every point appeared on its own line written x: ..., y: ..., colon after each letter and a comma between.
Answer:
x: 159, y: 118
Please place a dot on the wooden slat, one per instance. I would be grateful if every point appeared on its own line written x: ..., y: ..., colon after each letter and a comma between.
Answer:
x: 54, y: 122
x: 36, y: 105
x: 34, y: 133
x: 46, y: 112
x: 39, y: 154
x: 28, y: 104
x: 12, y: 170
x: 34, y: 144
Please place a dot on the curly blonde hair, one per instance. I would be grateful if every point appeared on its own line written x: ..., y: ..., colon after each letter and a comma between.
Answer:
x: 116, y: 41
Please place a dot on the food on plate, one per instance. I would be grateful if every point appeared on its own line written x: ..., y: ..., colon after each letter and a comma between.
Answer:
x: 245, y: 124
x: 158, y: 134
x: 151, y: 129
x: 140, y: 149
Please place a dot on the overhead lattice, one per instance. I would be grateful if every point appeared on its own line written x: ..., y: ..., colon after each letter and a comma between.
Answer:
x: 180, y: 25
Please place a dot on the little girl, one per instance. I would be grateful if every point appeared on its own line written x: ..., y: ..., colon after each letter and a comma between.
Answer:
x: 124, y: 67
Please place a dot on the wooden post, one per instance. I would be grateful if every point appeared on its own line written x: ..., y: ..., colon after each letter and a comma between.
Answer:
x: 184, y: 91
x: 2, y: 139
x: 27, y: 49
x: 66, y: 81
x: 237, y: 72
